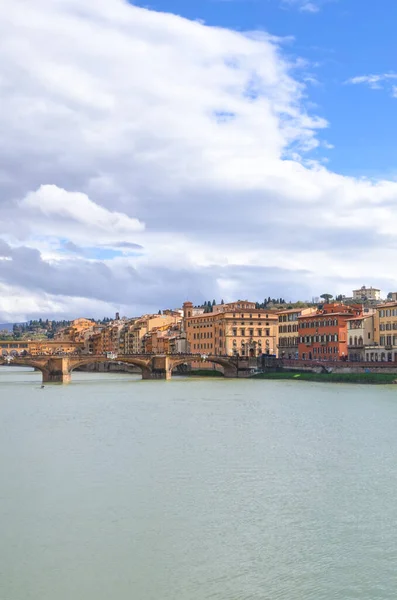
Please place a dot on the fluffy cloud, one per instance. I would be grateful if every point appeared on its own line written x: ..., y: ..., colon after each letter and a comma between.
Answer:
x: 181, y: 148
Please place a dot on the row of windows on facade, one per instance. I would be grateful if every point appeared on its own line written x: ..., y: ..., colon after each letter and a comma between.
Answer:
x: 322, y: 323
x: 388, y: 340
x: 323, y: 350
x: 202, y: 335
x: 208, y: 346
x: 290, y: 317
x: 357, y: 341
x: 310, y: 339
x: 388, y: 312
x: 388, y: 326
x: 251, y: 332
x: 287, y: 328
x: 200, y: 322
x: 288, y: 341
x: 374, y: 357
x: 234, y: 323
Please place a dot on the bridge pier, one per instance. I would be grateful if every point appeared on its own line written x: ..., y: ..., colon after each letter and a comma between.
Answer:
x: 160, y: 368
x: 57, y: 371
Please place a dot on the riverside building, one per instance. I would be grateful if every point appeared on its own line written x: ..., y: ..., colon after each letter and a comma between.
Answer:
x: 233, y: 329
x: 323, y: 335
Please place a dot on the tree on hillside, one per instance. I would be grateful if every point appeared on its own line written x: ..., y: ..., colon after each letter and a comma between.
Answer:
x: 326, y: 297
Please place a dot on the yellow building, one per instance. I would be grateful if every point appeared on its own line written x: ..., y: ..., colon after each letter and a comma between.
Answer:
x: 360, y: 336
x: 133, y: 337
x: 385, y: 330
x: 233, y: 329
x: 288, y: 336
x: 76, y: 330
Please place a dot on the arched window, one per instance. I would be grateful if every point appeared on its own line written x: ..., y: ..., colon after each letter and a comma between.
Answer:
x: 355, y: 340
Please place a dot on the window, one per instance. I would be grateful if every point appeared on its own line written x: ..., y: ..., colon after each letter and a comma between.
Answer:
x: 267, y: 332
x: 260, y: 332
x: 234, y: 332
x: 251, y: 332
x: 242, y: 331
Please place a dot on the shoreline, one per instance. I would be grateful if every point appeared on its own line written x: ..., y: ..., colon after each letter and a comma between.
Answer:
x: 353, y: 378
x: 357, y: 378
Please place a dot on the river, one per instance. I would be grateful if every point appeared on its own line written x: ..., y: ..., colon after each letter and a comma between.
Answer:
x: 196, y: 489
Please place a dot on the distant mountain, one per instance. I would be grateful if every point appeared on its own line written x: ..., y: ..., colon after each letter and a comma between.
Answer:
x: 7, y: 326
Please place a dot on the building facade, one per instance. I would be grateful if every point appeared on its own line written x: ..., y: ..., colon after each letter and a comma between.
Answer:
x: 386, y: 329
x: 288, y: 331
x: 365, y: 293
x: 360, y: 336
x: 233, y: 329
x: 323, y: 335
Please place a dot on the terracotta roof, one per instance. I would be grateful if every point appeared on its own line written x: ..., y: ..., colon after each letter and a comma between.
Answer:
x: 360, y: 318
x: 320, y: 315
x: 386, y: 305
x: 291, y: 310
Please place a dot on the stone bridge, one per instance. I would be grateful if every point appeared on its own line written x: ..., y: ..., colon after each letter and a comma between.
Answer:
x: 58, y: 369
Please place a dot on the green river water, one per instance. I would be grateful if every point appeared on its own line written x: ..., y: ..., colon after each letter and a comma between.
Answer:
x: 194, y: 489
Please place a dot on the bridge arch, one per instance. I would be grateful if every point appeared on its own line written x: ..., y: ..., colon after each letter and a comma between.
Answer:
x: 31, y: 364
x: 142, y: 364
x: 229, y: 368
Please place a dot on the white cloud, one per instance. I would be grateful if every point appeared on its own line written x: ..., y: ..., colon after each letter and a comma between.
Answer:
x: 54, y: 211
x: 376, y: 82
x: 303, y: 5
x: 309, y: 7
x: 114, y: 117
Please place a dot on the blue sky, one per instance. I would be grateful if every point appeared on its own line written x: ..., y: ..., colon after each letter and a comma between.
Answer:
x: 342, y: 40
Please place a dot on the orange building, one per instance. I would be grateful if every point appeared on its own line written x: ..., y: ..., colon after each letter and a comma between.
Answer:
x: 76, y: 330
x: 234, y: 329
x: 288, y: 330
x: 323, y: 335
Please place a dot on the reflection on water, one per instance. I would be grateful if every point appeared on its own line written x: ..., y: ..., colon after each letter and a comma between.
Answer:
x: 192, y: 489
